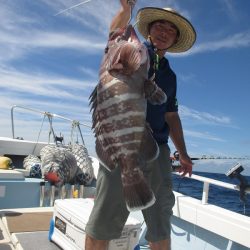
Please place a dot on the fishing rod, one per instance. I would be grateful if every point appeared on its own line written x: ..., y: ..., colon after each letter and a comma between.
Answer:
x: 175, y: 157
x: 72, y: 7
x: 130, y: 2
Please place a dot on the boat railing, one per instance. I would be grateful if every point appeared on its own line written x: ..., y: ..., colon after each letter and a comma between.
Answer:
x: 50, y: 116
x: 206, y: 184
x: 49, y: 193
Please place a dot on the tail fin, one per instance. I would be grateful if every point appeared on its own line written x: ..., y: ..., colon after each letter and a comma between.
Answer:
x: 137, y: 193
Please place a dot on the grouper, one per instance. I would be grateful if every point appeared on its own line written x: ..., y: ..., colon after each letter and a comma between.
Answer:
x: 118, y: 104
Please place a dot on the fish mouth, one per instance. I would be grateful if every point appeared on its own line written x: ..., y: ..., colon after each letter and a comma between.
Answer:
x: 52, y: 178
x: 128, y: 32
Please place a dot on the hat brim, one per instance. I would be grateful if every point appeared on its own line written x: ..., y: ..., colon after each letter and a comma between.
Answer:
x: 187, y: 36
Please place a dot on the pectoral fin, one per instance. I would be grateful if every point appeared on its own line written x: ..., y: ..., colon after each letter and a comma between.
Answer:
x: 153, y: 93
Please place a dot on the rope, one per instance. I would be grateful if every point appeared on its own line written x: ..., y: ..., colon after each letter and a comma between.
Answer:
x: 51, y: 127
x: 39, y: 134
x: 75, y: 128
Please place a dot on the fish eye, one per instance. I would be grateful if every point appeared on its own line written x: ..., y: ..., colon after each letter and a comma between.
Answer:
x: 118, y: 39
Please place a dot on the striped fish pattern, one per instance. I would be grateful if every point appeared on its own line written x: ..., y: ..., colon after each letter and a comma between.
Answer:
x: 118, y: 103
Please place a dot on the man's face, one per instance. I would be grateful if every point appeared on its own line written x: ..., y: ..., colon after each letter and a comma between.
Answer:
x: 163, y: 34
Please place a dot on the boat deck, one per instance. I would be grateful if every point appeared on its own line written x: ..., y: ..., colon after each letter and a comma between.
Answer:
x: 31, y: 241
x: 26, y: 229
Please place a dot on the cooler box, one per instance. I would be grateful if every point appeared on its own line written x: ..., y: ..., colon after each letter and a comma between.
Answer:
x: 70, y: 217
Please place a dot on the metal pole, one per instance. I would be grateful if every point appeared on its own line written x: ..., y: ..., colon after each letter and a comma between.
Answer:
x: 205, y: 193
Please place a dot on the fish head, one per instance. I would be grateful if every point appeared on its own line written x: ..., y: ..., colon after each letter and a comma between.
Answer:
x: 125, y: 53
x: 141, y: 48
x: 52, y: 173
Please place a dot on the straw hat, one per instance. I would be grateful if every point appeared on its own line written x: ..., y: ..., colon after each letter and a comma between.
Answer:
x: 187, y: 36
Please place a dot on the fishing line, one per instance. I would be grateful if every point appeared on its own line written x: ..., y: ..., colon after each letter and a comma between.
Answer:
x: 244, y: 208
x: 39, y: 134
x: 180, y: 182
x: 135, y: 23
x: 72, y: 7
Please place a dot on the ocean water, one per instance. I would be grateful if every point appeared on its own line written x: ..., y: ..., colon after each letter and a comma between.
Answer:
x: 219, y: 196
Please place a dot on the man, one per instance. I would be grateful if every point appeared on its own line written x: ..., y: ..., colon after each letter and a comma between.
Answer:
x: 165, y: 31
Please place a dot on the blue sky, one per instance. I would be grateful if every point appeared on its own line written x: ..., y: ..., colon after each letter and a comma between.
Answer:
x: 50, y: 62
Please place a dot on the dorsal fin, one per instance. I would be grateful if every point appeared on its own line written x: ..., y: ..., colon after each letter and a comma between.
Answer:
x: 93, y: 106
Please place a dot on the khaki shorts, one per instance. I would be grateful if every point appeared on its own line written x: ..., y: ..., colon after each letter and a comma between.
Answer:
x: 110, y: 213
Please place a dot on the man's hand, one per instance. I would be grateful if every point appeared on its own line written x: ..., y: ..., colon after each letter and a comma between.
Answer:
x: 123, y: 16
x: 186, y: 165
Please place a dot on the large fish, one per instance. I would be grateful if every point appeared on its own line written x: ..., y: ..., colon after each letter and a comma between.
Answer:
x: 118, y: 102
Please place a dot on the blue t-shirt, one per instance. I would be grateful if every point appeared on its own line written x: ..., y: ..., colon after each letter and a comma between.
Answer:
x: 165, y: 78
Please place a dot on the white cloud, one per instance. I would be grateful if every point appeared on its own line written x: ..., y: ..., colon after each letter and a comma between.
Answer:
x: 238, y: 40
x: 22, y: 31
x: 203, y: 135
x: 89, y: 72
x: 95, y: 15
x: 42, y: 84
x: 15, y: 45
x: 229, y: 8
x: 63, y: 40
x: 234, y: 41
x: 204, y: 117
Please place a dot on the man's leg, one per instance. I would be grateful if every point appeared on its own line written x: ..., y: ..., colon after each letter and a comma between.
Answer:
x: 109, y: 213
x: 157, y: 217
x: 93, y: 244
